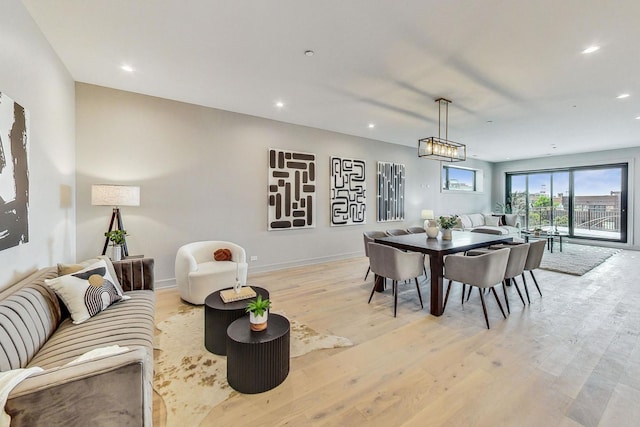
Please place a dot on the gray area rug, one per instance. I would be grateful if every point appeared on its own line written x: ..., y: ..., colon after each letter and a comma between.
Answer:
x: 575, y: 259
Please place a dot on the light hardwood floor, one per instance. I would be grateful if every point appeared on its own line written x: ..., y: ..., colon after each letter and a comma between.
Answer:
x: 571, y: 358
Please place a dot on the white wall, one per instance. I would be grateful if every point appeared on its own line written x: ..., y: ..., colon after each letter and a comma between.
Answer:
x: 628, y: 155
x: 33, y: 76
x: 203, y: 176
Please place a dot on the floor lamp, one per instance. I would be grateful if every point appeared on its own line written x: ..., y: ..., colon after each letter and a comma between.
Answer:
x: 116, y: 196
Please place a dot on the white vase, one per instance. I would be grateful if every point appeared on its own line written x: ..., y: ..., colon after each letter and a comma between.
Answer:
x: 446, y: 234
x: 432, y: 229
x: 258, y: 323
x: 116, y: 253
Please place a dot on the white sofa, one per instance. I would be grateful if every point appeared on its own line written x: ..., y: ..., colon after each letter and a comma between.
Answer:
x: 491, y: 223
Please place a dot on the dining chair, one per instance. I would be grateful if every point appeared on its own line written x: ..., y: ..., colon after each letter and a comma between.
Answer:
x: 415, y: 230
x: 397, y: 232
x: 391, y: 263
x: 369, y: 237
x: 482, y: 271
x: 534, y: 258
x: 515, y: 267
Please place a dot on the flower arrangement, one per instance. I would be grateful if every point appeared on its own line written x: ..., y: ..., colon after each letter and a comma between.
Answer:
x: 448, y: 222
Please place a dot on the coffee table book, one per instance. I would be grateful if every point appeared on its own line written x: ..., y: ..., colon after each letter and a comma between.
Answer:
x: 230, y: 295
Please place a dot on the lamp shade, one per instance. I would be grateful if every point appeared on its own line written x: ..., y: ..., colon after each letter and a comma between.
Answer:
x: 426, y: 214
x: 115, y: 195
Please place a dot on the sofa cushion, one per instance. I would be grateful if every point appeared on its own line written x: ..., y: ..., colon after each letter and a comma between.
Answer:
x: 28, y: 317
x: 464, y: 221
x: 511, y: 219
x: 491, y: 220
x: 476, y: 219
x: 64, y: 269
x: 87, y: 292
x: 491, y: 229
x: 128, y: 324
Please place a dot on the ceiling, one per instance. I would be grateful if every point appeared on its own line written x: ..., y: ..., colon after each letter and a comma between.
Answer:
x: 519, y: 85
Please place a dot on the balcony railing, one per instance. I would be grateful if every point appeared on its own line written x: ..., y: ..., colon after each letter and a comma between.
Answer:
x: 583, y: 219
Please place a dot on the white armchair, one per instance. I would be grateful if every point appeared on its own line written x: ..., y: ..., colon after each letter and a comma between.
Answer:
x: 198, y: 274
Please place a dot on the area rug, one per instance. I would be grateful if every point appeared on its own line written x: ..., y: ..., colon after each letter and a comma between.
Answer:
x: 191, y: 380
x: 575, y: 259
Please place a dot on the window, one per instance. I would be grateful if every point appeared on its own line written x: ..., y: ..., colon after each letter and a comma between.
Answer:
x: 455, y: 178
x: 588, y: 202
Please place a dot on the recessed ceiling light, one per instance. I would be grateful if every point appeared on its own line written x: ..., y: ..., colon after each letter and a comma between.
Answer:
x: 623, y: 95
x: 126, y: 67
x: 372, y: 125
x: 309, y: 53
x: 279, y: 104
x: 591, y: 49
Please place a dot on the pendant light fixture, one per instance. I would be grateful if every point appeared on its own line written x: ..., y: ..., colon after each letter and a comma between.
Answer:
x: 438, y: 148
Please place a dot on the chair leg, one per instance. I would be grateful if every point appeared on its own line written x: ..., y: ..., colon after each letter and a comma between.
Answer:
x: 526, y: 290
x: 395, y: 297
x: 535, y: 281
x: 424, y: 268
x: 419, y: 294
x: 367, y: 275
x: 375, y: 284
x: 495, y: 294
x: 515, y: 283
x: 446, y: 297
x: 469, y: 294
x: 506, y: 298
x: 464, y: 288
x: 484, y: 308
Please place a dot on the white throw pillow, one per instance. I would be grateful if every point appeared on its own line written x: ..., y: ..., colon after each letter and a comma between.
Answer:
x: 511, y: 219
x: 493, y: 221
x: 87, y: 292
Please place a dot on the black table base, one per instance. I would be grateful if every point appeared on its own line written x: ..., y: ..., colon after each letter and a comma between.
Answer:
x: 258, y: 361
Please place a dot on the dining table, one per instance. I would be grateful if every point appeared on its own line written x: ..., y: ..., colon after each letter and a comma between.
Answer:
x: 437, y: 249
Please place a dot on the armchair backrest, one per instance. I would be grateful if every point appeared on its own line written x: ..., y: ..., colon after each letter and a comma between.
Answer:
x: 393, y: 263
x: 534, y: 257
x: 482, y: 270
x: 369, y: 237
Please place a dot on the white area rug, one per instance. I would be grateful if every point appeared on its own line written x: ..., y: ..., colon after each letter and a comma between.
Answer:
x: 575, y: 259
x: 191, y: 380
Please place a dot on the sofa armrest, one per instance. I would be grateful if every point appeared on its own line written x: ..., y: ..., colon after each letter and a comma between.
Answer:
x: 135, y: 274
x: 111, y: 390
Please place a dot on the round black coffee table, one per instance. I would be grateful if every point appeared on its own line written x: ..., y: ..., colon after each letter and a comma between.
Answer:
x: 258, y: 361
x: 218, y: 315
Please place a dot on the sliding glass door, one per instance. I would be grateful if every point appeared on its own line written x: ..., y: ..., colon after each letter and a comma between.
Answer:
x: 587, y: 202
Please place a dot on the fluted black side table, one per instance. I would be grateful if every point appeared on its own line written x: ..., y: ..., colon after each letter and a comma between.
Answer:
x: 218, y: 315
x: 258, y: 361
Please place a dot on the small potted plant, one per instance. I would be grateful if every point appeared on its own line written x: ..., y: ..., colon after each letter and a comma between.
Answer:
x: 446, y: 224
x: 117, y: 239
x: 258, y: 310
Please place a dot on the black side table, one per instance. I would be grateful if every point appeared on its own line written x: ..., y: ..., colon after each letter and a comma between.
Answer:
x: 218, y: 315
x: 258, y: 361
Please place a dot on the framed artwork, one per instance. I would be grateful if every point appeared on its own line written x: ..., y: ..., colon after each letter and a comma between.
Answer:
x: 14, y: 173
x: 391, y: 178
x: 348, y: 191
x: 292, y: 190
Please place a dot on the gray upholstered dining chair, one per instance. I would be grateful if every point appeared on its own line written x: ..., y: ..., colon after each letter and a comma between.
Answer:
x: 397, y: 232
x: 369, y: 237
x: 534, y: 258
x: 397, y: 265
x: 415, y: 230
x: 482, y: 271
x: 515, y: 266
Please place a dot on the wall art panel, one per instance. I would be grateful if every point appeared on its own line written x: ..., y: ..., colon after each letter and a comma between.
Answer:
x: 292, y: 190
x: 348, y: 191
x: 14, y: 173
x: 391, y: 177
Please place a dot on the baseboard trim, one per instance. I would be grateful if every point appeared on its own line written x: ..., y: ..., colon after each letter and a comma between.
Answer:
x: 171, y: 283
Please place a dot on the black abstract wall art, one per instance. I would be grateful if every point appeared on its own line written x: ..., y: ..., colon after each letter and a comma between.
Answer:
x: 14, y: 173
x: 348, y: 191
x: 391, y: 177
x: 292, y: 190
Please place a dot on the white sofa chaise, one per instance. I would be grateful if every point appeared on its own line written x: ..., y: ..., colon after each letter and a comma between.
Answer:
x: 505, y: 224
